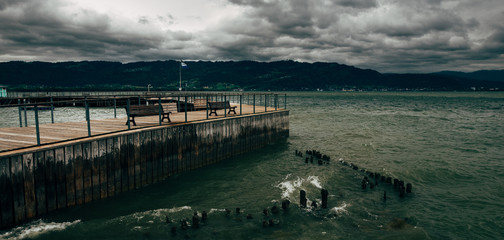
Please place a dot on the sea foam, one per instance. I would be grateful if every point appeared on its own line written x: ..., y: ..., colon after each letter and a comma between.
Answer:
x: 288, y: 187
x: 36, y: 228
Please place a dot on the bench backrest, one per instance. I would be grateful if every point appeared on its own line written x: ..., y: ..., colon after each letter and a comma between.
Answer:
x: 169, y: 107
x: 199, y: 103
x: 144, y: 110
x: 219, y: 105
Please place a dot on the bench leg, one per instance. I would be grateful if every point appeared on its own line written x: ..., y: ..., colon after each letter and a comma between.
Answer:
x: 132, y: 121
x: 214, y: 111
x: 166, y: 116
x: 233, y: 109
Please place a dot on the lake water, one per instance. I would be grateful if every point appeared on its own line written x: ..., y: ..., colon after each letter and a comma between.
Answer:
x: 449, y: 146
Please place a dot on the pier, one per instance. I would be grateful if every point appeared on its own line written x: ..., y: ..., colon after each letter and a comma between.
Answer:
x: 53, y: 166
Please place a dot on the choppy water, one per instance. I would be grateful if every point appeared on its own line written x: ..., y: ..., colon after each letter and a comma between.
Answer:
x: 448, y: 145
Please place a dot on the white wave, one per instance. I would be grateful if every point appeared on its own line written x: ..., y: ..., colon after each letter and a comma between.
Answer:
x: 35, y: 229
x: 162, y: 211
x: 339, y: 210
x: 289, y: 186
x: 216, y: 210
x: 315, y: 181
x: 178, y: 209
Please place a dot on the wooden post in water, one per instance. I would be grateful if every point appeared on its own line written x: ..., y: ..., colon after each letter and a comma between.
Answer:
x: 302, y: 198
x: 324, y: 193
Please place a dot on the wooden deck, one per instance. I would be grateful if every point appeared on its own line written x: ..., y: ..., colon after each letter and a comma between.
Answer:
x: 17, y: 137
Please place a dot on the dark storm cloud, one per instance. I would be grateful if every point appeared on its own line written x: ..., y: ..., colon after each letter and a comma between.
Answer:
x: 386, y: 35
x: 37, y: 27
x: 356, y: 3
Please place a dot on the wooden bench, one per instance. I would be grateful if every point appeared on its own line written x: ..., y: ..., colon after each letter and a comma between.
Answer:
x: 214, y: 106
x: 139, y: 111
x: 199, y: 103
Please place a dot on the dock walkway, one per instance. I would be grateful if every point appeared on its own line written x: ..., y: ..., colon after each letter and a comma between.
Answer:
x: 23, y: 137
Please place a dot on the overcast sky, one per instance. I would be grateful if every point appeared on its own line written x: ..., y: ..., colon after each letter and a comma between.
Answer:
x: 385, y: 35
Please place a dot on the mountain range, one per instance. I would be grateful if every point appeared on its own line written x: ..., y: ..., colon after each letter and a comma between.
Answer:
x: 231, y: 75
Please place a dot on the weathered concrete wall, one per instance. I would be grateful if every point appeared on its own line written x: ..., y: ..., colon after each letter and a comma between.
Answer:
x: 44, y: 179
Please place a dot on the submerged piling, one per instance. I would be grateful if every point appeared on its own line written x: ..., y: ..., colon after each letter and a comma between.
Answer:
x: 302, y: 198
x: 324, y: 194
x: 408, y: 188
x: 285, y: 204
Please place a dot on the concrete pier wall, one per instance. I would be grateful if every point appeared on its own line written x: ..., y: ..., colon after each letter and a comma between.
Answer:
x: 43, y: 179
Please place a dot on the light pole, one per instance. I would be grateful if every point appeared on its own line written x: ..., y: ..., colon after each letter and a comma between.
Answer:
x: 180, y: 74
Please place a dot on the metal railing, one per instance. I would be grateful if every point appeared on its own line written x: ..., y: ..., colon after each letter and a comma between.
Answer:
x: 185, y: 103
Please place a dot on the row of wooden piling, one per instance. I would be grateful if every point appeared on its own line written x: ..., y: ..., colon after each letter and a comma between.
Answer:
x: 303, y: 200
x: 371, y: 180
x: 199, y: 220
x: 314, y: 155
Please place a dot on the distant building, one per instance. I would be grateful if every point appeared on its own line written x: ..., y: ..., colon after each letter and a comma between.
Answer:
x: 3, y: 91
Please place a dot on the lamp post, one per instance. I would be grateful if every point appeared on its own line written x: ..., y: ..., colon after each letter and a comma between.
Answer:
x: 148, y: 88
x: 180, y: 74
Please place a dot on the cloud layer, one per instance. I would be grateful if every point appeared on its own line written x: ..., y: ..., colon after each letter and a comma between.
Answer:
x: 386, y: 35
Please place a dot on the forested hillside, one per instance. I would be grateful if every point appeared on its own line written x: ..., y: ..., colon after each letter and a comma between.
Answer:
x: 230, y: 75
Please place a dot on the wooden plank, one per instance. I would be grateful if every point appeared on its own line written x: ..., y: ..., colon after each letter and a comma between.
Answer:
x: 213, y: 138
x: 60, y: 178
x: 87, y: 171
x: 187, y: 148
x: 181, y: 146
x: 125, y: 164
x: 178, y: 148
x: 156, y: 166
x: 196, y: 145
x: 40, y: 182
x: 50, y: 166
x: 192, y: 142
x: 6, y: 198
x: 111, y: 157
x: 131, y: 163
x: 79, y: 174
x: 138, y: 159
x: 219, y: 141
x: 202, y: 144
x: 164, y: 158
x: 102, y: 159
x: 29, y: 185
x: 70, y: 175
x: 95, y: 170
x: 208, y: 146
x: 121, y: 166
x: 146, y: 166
x: 170, y: 152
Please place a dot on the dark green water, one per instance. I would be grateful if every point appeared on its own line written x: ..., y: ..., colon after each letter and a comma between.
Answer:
x: 448, y: 145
